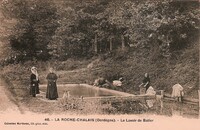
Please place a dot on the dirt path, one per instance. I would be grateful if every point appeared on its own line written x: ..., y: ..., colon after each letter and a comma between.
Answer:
x: 11, y: 105
x: 8, y: 103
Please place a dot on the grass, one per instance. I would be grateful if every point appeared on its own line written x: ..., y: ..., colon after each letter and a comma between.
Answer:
x: 182, y: 67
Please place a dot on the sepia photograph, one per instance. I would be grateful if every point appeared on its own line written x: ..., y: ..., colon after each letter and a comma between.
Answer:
x: 99, y: 64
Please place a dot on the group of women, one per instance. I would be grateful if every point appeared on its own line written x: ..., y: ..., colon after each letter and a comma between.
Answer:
x: 51, y: 92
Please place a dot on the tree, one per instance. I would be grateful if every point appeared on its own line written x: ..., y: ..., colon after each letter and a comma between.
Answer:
x: 36, y: 24
x: 63, y: 29
x: 63, y: 34
x: 163, y: 23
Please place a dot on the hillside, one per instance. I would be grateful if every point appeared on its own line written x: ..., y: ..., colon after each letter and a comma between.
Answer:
x: 181, y: 68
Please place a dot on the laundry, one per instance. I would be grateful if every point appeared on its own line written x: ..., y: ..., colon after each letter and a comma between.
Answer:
x: 177, y: 90
x: 150, y: 91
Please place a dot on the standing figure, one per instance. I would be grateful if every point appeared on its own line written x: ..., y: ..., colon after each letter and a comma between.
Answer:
x: 177, y: 92
x: 52, y: 93
x: 146, y: 82
x: 34, y: 82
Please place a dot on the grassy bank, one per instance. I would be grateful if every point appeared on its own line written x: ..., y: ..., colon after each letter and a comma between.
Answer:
x: 181, y: 67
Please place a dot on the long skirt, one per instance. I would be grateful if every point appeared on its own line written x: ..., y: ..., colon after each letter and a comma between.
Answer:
x: 52, y: 92
x: 33, y: 91
x: 37, y: 89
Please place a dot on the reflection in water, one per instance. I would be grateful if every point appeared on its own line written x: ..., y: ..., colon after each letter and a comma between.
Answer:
x: 83, y: 91
x: 78, y: 91
x: 176, y: 111
x: 97, y: 93
x: 167, y: 108
x: 180, y: 109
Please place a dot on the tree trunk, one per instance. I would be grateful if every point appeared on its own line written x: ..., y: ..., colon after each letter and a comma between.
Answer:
x: 95, y: 44
x: 111, y: 47
x: 123, y: 43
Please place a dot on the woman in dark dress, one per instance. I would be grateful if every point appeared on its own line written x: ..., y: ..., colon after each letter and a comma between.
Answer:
x: 34, y: 82
x: 146, y: 82
x: 51, y: 93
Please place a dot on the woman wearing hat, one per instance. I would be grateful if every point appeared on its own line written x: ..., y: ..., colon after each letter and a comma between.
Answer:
x: 34, y: 82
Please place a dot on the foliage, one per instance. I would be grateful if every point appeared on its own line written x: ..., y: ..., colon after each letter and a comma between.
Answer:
x: 36, y: 23
x: 97, y: 106
x: 65, y: 29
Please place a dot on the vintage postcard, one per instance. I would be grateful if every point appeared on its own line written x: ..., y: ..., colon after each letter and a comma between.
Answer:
x: 99, y: 64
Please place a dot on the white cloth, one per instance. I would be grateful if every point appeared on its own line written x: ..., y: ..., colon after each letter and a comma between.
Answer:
x: 117, y: 83
x: 150, y: 91
x: 34, y: 71
x: 96, y: 82
x: 177, y: 90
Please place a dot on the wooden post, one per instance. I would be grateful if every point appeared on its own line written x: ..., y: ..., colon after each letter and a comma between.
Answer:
x: 199, y: 103
x: 95, y: 44
x: 111, y: 47
x: 161, y: 100
x: 162, y: 93
x: 180, y: 99
x: 199, y: 98
x: 123, y: 43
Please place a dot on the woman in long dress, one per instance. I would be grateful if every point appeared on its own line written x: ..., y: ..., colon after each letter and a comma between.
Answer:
x: 52, y: 93
x: 34, y: 82
x: 177, y: 92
